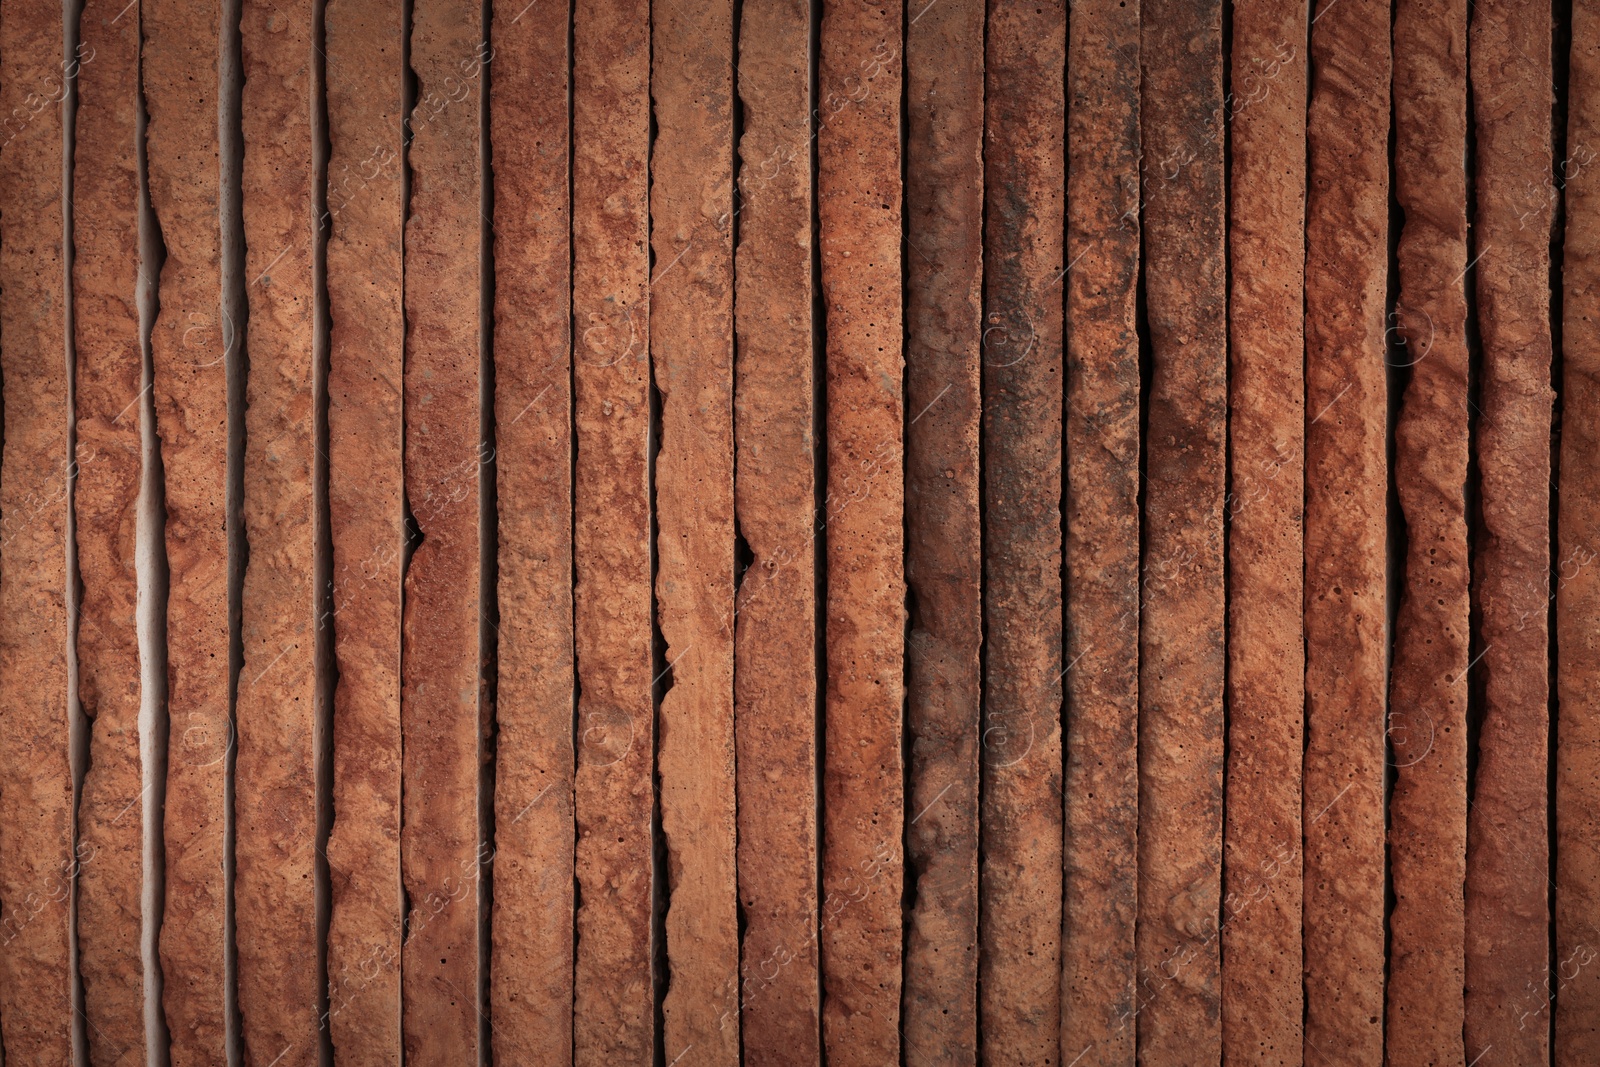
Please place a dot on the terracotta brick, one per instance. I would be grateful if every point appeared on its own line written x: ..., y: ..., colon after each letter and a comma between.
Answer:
x: 615, y: 1013
x: 1347, y: 224
x: 859, y: 209
x: 191, y: 344
x: 944, y: 531
x: 1262, y: 1001
x: 108, y: 396
x: 37, y: 858
x: 443, y: 709
x: 1428, y: 688
x: 1508, y: 849
x: 275, y: 791
x: 365, y: 65
x: 691, y: 354
x: 1101, y: 733
x: 1576, y: 577
x: 1181, y: 636
x: 775, y: 631
x: 530, y: 991
x: 1019, y: 969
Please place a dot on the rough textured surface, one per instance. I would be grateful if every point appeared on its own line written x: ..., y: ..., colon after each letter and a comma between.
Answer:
x: 1262, y: 1001
x: 37, y: 861
x: 944, y: 532
x: 1576, y: 577
x: 1347, y: 227
x: 859, y: 211
x: 1508, y: 845
x: 189, y: 342
x: 530, y: 995
x: 1024, y: 185
x: 275, y: 791
x: 615, y: 1014
x: 1428, y: 687
x: 691, y: 355
x: 441, y: 707
x: 1101, y: 802
x: 366, y: 514
x: 775, y: 686
x: 1181, y: 638
x: 108, y: 390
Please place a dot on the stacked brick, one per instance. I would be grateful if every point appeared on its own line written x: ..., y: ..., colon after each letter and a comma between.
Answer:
x: 365, y: 76
x: 1576, y: 578
x: 38, y: 861
x: 614, y: 1005
x: 530, y: 996
x: 442, y: 856
x: 944, y: 558
x: 1265, y: 110
x: 192, y: 346
x: 1347, y: 252
x: 1101, y: 773
x: 108, y: 400
x: 1508, y: 850
x: 777, y: 1001
x: 859, y: 224
x: 1181, y: 624
x: 691, y: 354
x: 1024, y: 166
x: 279, y: 736
x: 1428, y: 676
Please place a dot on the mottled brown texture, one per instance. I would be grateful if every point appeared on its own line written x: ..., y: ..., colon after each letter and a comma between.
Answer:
x: 37, y: 859
x: 944, y: 561
x: 615, y: 1014
x: 190, y: 342
x: 1508, y: 846
x: 1262, y: 1002
x: 691, y: 355
x: 275, y: 790
x: 1576, y: 578
x: 1019, y: 969
x: 1101, y: 773
x: 107, y: 394
x: 530, y: 993
x: 775, y: 685
x: 1347, y: 237
x: 1181, y: 632
x: 1428, y: 688
x: 441, y: 705
x: 366, y: 513
x: 859, y: 210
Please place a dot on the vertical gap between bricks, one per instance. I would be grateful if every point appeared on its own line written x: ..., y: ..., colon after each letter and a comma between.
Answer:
x: 322, y: 557
x: 236, y: 361
x: 154, y: 585
x: 488, y: 546
x: 77, y: 726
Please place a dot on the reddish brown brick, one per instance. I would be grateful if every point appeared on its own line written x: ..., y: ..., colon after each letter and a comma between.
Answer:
x: 1100, y: 892
x: 1181, y: 635
x: 1508, y: 850
x: 366, y: 513
x: 775, y: 686
x: 530, y: 991
x: 944, y: 531
x: 1347, y: 224
x: 859, y: 208
x: 108, y: 395
x: 1428, y: 689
